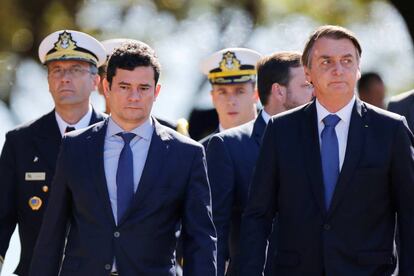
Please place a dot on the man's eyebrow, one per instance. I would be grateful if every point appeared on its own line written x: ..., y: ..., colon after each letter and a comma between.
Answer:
x: 124, y: 83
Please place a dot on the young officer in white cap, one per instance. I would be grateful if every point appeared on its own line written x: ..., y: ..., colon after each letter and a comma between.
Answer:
x: 110, y: 45
x: 27, y: 162
x: 232, y: 74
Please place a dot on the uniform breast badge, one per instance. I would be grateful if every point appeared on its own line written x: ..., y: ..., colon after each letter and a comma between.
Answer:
x: 35, y: 203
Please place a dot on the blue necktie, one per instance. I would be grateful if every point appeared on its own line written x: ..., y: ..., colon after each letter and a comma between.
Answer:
x: 330, y: 156
x: 125, y: 176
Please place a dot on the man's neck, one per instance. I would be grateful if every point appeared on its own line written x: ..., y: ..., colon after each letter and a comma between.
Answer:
x: 72, y: 115
x: 273, y: 110
x: 333, y: 105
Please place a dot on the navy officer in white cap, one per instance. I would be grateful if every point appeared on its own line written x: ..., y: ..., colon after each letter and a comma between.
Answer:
x: 27, y: 162
x: 232, y: 74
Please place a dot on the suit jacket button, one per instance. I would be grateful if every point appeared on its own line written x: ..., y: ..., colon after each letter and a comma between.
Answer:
x: 117, y: 234
x: 327, y: 226
x: 108, y: 267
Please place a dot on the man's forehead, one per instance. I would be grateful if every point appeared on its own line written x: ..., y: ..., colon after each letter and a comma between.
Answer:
x: 66, y: 63
x: 233, y: 86
x: 326, y: 46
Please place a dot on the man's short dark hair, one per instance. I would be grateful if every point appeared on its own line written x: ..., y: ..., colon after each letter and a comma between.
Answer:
x: 366, y: 80
x: 131, y: 55
x: 275, y: 68
x: 332, y: 32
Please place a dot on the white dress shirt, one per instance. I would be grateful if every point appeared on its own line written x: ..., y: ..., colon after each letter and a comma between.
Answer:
x: 341, y: 128
x: 83, y: 122
x: 266, y: 117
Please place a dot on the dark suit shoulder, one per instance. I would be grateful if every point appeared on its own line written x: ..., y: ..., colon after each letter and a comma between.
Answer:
x: 402, y: 103
x: 236, y: 133
x: 80, y: 134
x: 295, y: 114
x: 386, y: 121
x: 382, y: 114
x: 403, y: 97
x: 167, y: 123
x: 174, y: 137
x: 206, y: 139
x: 33, y: 124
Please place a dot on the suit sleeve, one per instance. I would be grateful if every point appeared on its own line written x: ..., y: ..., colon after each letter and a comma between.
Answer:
x: 48, y: 252
x: 8, y: 195
x: 221, y: 177
x: 199, y: 233
x: 402, y: 179
x: 261, y: 207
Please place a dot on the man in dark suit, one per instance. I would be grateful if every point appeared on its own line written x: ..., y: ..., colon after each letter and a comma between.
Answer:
x: 403, y: 104
x: 232, y: 154
x: 124, y: 184
x: 335, y: 172
x: 232, y: 75
x: 27, y: 162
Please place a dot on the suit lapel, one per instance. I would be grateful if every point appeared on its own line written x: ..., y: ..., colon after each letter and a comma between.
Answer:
x: 95, y: 149
x: 47, y: 139
x: 153, y: 168
x: 96, y: 117
x: 259, y: 129
x: 410, y: 119
x: 310, y: 140
x: 356, y: 139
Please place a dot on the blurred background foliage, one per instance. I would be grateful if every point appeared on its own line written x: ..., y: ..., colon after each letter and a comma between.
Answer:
x: 23, y: 24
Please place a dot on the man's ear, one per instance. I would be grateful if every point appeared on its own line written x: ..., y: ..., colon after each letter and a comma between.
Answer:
x: 96, y: 80
x: 106, y: 87
x: 157, y: 91
x: 278, y: 90
x: 256, y: 95
x: 307, y: 74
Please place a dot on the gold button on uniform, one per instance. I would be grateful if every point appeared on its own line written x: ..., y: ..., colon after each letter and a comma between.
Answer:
x: 45, y: 188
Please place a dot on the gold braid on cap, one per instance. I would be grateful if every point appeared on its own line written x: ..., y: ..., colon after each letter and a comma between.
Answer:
x: 66, y: 48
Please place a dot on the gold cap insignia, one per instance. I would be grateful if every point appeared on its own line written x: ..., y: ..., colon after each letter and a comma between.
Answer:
x: 230, y: 70
x: 65, y: 42
x: 35, y: 203
x: 229, y: 62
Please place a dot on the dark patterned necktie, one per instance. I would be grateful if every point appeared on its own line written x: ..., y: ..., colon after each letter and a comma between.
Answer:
x: 125, y: 176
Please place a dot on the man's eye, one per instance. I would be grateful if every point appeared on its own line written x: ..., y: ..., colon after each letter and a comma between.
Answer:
x: 76, y: 70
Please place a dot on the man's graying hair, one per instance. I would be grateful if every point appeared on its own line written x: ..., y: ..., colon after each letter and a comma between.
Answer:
x: 328, y: 31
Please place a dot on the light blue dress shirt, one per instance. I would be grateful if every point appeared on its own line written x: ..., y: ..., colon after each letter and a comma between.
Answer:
x: 112, y: 149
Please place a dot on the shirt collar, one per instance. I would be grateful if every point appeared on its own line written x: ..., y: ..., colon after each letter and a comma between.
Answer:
x: 266, y: 117
x: 344, y: 113
x: 82, y: 123
x: 143, y: 131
